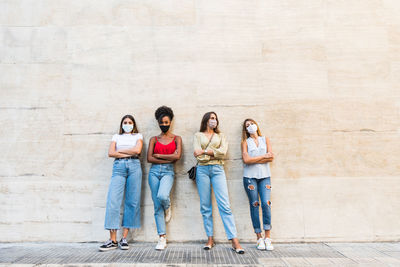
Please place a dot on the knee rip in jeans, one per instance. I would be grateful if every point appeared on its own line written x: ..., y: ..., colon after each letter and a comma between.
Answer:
x: 269, y: 203
x: 256, y: 204
x: 162, y: 198
x: 251, y: 187
x: 268, y: 186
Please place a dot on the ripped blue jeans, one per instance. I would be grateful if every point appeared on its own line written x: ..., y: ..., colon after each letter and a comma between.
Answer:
x: 256, y: 188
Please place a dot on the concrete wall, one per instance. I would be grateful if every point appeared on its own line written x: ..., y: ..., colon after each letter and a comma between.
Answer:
x: 321, y: 77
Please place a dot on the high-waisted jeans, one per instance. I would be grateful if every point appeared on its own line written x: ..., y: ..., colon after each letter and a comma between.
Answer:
x: 161, y: 180
x: 126, y: 178
x: 214, y: 175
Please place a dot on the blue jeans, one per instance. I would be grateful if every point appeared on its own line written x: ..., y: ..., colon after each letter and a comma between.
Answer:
x: 161, y: 180
x: 254, y: 188
x: 214, y: 175
x: 126, y: 177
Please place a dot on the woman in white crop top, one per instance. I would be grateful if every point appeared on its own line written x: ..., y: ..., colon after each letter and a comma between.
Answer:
x: 126, y: 180
x: 256, y: 154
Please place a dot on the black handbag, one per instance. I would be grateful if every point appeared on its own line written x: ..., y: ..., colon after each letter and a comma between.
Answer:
x: 192, y: 171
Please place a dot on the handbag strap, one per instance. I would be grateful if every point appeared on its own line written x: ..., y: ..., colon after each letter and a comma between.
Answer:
x: 197, y: 163
x: 209, y: 141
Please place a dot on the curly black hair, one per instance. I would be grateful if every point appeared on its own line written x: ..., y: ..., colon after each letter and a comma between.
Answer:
x: 163, y: 111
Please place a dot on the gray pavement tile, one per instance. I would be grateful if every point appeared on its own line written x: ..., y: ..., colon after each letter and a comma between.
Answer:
x: 296, y: 261
x: 319, y: 261
x: 271, y: 262
x: 178, y: 254
x: 394, y: 254
x: 389, y: 261
x: 385, y: 246
x: 366, y: 260
x: 342, y: 261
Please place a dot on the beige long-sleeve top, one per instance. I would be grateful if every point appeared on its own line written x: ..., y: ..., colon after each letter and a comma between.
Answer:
x: 218, y: 145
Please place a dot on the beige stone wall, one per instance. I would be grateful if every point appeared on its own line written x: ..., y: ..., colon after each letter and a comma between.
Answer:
x: 321, y: 77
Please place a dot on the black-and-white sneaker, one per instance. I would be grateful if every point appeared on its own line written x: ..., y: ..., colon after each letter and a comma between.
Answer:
x: 123, y: 244
x: 108, y: 245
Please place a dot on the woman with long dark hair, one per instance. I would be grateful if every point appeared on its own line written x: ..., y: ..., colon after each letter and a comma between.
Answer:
x: 126, y: 180
x: 210, y: 147
x: 164, y: 150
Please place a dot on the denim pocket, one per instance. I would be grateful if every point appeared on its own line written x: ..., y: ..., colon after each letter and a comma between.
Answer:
x: 134, y: 162
x: 218, y: 168
x: 170, y: 169
x: 118, y: 164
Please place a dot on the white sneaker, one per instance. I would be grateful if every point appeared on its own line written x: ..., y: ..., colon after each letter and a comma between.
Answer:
x: 162, y: 243
x: 168, y: 214
x: 260, y: 244
x: 268, y: 244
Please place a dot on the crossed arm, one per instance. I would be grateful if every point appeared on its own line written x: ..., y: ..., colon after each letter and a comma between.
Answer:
x: 124, y: 153
x: 164, y: 158
x: 268, y: 157
x: 212, y: 152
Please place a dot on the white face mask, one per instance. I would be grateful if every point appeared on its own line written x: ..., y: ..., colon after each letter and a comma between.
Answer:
x: 252, y: 128
x: 127, y: 128
x: 212, y: 124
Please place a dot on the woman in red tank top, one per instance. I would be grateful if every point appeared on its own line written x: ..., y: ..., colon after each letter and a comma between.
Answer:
x: 164, y: 150
x: 161, y: 149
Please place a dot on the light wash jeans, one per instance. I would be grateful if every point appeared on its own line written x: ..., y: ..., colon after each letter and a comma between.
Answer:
x: 126, y: 178
x: 161, y: 180
x: 254, y: 188
x: 207, y: 175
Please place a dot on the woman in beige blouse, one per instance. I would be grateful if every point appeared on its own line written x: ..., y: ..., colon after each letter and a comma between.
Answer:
x: 210, y: 171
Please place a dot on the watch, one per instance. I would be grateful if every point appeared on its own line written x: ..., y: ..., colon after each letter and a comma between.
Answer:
x: 205, y: 151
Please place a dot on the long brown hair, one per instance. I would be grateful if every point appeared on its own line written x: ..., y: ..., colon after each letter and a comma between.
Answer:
x: 204, y: 120
x: 134, y: 130
x: 245, y: 134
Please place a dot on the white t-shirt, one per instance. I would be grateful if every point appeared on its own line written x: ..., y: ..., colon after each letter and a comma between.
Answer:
x: 126, y: 141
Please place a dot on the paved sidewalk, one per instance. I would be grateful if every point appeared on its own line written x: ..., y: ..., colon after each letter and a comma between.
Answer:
x: 192, y: 254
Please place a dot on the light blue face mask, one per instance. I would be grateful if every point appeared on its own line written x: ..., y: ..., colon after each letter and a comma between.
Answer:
x: 127, y: 128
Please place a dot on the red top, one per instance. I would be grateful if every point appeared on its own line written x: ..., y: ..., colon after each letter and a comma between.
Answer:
x: 164, y: 149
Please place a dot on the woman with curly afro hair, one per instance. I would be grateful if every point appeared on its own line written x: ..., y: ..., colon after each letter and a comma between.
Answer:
x: 164, y: 150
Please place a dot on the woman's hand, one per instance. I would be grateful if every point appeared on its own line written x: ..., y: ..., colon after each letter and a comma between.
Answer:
x: 269, y: 155
x: 119, y: 155
x: 170, y: 157
x: 198, y: 152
